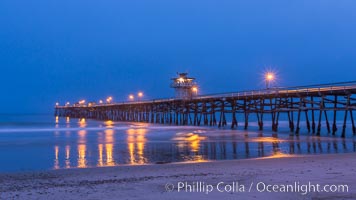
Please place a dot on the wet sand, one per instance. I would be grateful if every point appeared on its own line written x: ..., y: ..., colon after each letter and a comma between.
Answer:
x: 152, y: 181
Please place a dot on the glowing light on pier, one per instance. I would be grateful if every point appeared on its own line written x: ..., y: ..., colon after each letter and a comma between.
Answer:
x: 269, y: 78
x: 140, y: 95
x: 67, y: 104
x: 101, y: 102
x: 57, y: 104
x: 81, y: 102
x: 195, y: 90
x: 109, y: 100
x: 131, y: 97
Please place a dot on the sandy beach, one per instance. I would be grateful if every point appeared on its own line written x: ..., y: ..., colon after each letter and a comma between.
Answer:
x: 176, y: 181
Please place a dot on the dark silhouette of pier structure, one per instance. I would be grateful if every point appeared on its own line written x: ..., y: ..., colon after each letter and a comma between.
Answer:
x: 313, y: 105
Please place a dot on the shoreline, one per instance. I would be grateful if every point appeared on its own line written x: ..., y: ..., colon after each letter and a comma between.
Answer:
x: 150, y: 181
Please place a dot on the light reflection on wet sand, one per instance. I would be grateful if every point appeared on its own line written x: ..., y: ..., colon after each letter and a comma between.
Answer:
x: 81, y: 143
x: 67, y: 158
x: 82, y: 149
x: 140, y: 144
x: 190, y: 143
x: 109, y: 147
x: 136, y: 144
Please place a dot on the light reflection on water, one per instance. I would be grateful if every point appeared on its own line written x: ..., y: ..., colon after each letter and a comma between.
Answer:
x: 82, y: 148
x: 147, y: 145
x: 136, y: 144
x: 67, y: 157
x: 74, y: 143
x: 109, y: 147
x: 190, y: 143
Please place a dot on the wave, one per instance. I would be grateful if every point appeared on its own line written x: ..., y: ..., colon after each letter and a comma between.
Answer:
x: 140, y: 126
x: 63, y: 129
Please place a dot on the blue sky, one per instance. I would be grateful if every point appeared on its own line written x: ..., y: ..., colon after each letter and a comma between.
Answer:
x: 69, y: 50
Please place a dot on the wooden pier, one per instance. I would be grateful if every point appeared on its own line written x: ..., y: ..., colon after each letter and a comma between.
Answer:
x: 315, y: 105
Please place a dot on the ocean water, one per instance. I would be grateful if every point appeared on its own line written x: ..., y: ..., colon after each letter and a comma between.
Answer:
x: 42, y: 142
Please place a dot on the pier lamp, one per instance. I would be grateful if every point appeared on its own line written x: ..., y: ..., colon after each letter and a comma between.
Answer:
x: 57, y: 104
x: 140, y: 95
x: 131, y: 97
x: 195, y: 90
x: 101, y: 102
x: 269, y: 77
x: 109, y: 100
x: 67, y: 104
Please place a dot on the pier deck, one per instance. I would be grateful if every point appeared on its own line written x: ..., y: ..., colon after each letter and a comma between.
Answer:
x: 313, y: 104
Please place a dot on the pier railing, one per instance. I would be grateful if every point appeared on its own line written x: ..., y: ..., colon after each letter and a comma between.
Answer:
x: 320, y: 88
